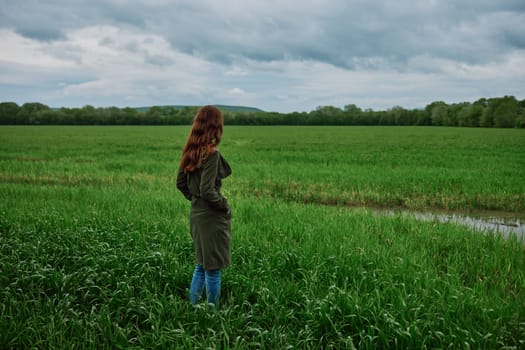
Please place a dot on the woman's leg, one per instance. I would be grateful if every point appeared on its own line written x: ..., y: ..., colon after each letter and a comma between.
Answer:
x: 197, y: 284
x: 213, y: 286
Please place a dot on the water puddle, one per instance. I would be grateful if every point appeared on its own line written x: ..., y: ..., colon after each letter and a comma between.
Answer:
x: 506, y: 224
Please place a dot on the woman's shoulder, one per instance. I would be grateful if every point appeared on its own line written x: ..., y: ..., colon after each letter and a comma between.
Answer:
x: 211, y: 156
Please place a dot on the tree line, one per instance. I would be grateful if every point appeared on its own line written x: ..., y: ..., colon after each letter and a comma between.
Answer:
x: 499, y: 112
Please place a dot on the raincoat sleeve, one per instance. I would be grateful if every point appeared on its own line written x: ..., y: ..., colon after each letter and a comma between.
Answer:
x: 182, y: 184
x: 208, y: 190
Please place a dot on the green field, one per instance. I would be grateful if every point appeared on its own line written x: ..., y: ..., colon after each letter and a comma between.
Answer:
x: 95, y: 249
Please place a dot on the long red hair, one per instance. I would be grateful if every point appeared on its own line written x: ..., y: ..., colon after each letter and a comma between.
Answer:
x: 205, y: 136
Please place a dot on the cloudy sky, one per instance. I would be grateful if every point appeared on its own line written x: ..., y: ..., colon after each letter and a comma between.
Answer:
x: 287, y: 55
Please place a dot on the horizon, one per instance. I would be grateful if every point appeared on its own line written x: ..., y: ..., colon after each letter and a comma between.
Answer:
x: 262, y: 110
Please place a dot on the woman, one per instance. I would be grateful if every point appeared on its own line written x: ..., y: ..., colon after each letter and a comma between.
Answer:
x: 201, y: 170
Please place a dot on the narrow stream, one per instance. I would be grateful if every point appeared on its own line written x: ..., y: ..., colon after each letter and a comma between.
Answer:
x: 505, y: 224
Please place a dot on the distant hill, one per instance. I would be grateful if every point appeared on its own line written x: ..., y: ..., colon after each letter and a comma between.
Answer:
x: 223, y: 107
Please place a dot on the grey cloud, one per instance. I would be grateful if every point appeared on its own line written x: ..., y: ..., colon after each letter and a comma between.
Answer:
x: 32, y: 78
x: 513, y: 32
x: 70, y: 54
x: 41, y: 33
x: 336, y: 32
x: 158, y: 60
x: 51, y: 20
x: 460, y: 34
x: 106, y: 41
x: 357, y: 30
x: 25, y: 20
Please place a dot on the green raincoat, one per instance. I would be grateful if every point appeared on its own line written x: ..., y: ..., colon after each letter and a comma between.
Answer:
x: 210, y: 216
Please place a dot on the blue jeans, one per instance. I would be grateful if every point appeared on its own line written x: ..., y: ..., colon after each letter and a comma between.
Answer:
x: 209, y: 278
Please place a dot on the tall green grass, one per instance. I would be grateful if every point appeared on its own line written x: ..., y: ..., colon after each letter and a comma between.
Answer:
x: 410, y: 167
x: 95, y: 250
